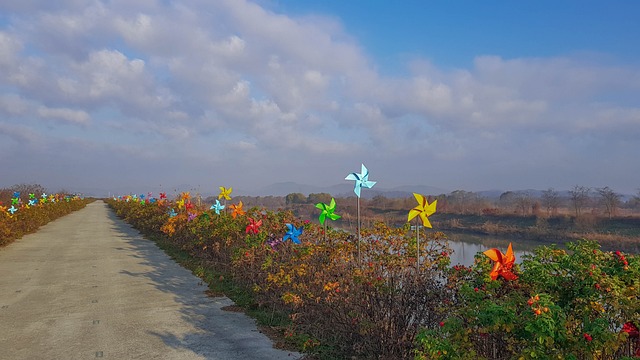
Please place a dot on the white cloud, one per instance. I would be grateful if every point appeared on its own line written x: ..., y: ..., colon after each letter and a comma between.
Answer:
x: 77, y: 117
x: 191, y: 76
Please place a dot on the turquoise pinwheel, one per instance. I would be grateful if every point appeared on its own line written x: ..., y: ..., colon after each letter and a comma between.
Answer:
x: 217, y: 207
x: 172, y: 212
x: 327, y: 211
x: 292, y: 234
x: 361, y: 180
x: 32, y: 202
x: 12, y: 210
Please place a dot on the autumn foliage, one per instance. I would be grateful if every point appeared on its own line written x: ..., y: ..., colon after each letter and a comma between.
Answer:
x: 576, y: 304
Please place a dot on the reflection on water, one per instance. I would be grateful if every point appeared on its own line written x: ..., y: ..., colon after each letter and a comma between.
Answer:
x: 466, y: 246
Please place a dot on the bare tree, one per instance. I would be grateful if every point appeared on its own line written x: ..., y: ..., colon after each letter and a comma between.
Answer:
x: 551, y: 201
x: 579, y: 196
x: 523, y: 202
x: 610, y: 199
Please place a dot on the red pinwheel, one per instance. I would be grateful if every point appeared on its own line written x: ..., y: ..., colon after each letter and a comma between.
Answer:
x: 254, y: 226
x: 503, y: 263
x: 163, y: 195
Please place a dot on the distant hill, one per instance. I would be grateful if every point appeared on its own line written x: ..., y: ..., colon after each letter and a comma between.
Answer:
x: 343, y: 190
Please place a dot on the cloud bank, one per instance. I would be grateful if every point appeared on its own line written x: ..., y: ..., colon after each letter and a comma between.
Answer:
x: 210, y: 93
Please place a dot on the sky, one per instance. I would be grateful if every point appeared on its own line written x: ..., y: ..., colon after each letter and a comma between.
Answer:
x: 120, y: 95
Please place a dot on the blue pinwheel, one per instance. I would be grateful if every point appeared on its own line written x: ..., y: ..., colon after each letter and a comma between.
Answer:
x: 292, y: 234
x: 16, y: 194
x: 361, y: 180
x: 217, y: 207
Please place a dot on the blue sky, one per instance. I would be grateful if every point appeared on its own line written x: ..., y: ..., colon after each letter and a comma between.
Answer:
x: 123, y: 96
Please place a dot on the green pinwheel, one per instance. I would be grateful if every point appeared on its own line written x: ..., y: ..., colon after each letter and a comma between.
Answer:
x: 327, y: 211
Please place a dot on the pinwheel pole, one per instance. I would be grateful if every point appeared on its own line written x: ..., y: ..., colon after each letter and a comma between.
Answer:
x: 358, y: 206
x: 418, y: 244
x: 361, y: 180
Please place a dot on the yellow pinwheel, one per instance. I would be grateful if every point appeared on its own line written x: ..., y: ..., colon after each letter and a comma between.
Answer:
x: 225, y: 193
x: 424, y: 210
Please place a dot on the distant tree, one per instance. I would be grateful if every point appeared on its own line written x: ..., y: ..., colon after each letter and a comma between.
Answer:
x: 610, y: 199
x: 380, y: 201
x: 635, y: 201
x: 579, y: 197
x: 26, y: 189
x: 295, y: 198
x: 459, y: 200
x: 551, y: 200
x: 320, y: 197
x: 507, y: 199
x: 523, y: 202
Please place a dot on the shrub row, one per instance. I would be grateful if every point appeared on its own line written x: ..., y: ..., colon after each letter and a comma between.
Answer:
x: 372, y: 299
x: 28, y: 219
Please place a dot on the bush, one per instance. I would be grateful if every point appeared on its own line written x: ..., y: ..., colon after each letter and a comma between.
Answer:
x: 371, y: 299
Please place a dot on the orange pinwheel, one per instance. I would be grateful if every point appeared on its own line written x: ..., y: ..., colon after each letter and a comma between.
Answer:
x: 237, y: 209
x: 503, y: 263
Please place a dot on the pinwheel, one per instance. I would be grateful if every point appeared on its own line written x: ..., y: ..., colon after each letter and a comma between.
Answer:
x: 361, y: 180
x: 503, y: 263
x: 217, y: 207
x: 191, y: 216
x: 327, y: 212
x: 172, y: 213
x: 237, y: 209
x: 32, y: 196
x: 12, y: 210
x: 423, y: 210
x: 180, y: 203
x: 163, y: 195
x: 225, y: 193
x: 293, y: 233
x: 15, y: 201
x: 188, y: 206
x: 254, y: 226
x: 16, y: 194
x: 32, y: 202
x: 44, y: 195
x: 274, y: 242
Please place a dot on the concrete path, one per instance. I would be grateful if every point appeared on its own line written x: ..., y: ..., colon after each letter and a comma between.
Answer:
x: 88, y: 286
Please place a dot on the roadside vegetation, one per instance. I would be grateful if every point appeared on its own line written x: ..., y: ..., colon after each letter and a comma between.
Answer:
x: 335, y: 297
x: 25, y: 208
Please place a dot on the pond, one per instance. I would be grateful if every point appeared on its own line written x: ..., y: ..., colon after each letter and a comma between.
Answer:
x: 465, y: 246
